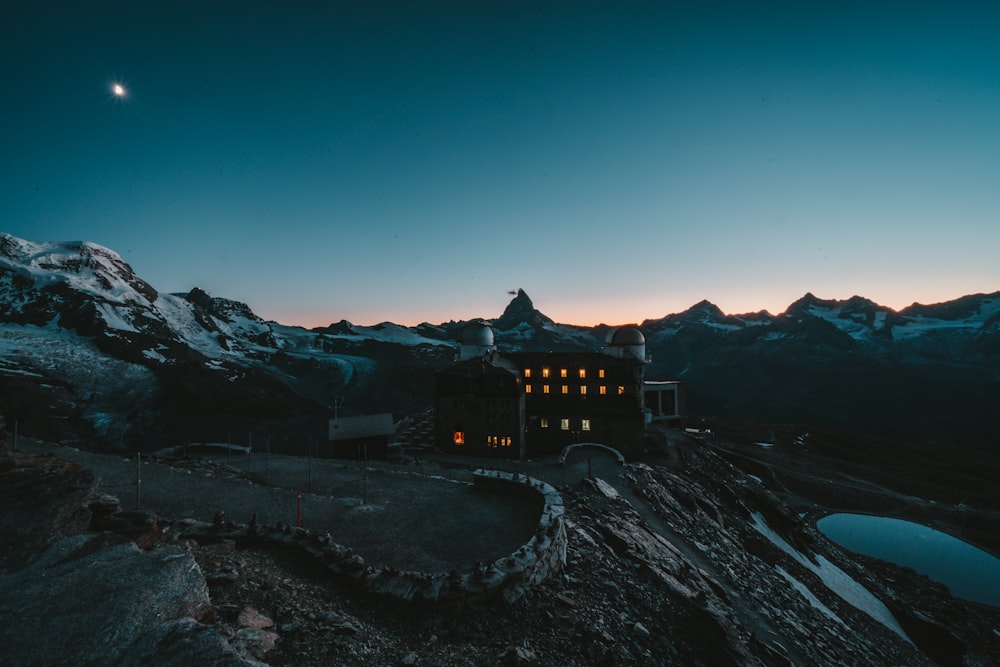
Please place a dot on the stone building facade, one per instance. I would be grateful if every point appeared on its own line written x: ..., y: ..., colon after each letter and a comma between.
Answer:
x: 521, y: 404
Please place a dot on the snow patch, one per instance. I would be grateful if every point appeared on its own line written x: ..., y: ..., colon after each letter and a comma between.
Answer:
x: 808, y: 595
x: 835, y: 579
x: 154, y: 355
x: 18, y: 371
x: 115, y: 319
x: 855, y: 328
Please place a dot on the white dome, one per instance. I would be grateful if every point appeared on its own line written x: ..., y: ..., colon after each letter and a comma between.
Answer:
x: 478, y: 334
x: 626, y: 343
x: 476, y: 341
x: 625, y: 336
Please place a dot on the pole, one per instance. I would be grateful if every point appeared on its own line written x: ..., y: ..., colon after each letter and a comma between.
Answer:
x: 267, y: 463
x: 298, y: 511
x: 309, y: 468
x: 364, y: 452
x: 15, y: 435
x: 250, y: 454
x: 138, y: 480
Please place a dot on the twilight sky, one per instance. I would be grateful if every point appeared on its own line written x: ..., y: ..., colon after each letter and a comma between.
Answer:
x: 412, y: 161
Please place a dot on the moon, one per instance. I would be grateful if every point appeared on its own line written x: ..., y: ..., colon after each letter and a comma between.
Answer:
x: 118, y: 90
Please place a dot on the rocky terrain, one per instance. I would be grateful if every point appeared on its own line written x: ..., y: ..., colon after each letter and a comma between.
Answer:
x: 704, y: 554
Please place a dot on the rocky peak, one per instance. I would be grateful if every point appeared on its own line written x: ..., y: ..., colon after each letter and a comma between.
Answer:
x: 704, y: 311
x: 803, y: 304
x: 199, y: 297
x: 521, y: 311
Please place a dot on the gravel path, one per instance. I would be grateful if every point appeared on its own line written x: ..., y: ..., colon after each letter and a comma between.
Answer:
x: 410, y: 517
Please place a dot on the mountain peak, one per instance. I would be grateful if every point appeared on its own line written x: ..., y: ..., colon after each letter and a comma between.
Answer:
x: 520, y: 310
x: 805, y: 302
x: 87, y: 267
x: 704, y: 311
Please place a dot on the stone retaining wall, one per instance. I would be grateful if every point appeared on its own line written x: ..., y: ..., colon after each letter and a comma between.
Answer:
x: 511, y: 576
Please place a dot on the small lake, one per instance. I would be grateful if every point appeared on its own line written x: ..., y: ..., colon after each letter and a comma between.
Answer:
x: 968, y: 572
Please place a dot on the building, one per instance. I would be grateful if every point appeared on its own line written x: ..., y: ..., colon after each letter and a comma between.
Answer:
x: 480, y: 409
x: 479, y: 406
x: 535, y: 403
x: 663, y: 400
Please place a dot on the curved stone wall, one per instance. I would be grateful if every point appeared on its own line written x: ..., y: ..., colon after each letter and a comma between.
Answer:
x: 511, y: 576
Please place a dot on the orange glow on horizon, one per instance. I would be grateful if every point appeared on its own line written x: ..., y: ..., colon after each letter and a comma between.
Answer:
x: 609, y: 312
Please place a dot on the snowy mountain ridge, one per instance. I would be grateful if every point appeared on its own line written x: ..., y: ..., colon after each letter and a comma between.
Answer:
x: 83, y: 296
x: 859, y: 318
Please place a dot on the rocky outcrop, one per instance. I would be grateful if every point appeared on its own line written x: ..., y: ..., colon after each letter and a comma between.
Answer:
x: 103, y: 594
x: 93, y: 598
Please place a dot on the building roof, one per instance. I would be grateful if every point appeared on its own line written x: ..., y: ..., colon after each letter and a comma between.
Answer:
x: 489, y: 364
x: 365, y: 426
x: 567, y: 358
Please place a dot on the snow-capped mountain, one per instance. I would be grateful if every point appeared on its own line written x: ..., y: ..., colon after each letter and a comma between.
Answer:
x: 926, y: 372
x: 86, y: 341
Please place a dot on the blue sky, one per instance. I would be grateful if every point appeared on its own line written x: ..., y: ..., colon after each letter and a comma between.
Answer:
x: 414, y: 161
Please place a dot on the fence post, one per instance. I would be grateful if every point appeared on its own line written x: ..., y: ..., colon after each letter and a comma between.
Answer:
x: 138, y: 480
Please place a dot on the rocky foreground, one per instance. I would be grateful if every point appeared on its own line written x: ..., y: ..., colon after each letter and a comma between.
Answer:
x: 689, y: 561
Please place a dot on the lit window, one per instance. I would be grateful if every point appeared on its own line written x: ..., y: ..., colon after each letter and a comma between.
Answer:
x: 564, y: 424
x: 584, y: 424
x: 621, y: 389
x: 545, y: 372
x: 544, y: 422
x: 545, y: 388
x: 583, y: 373
x: 600, y: 372
x: 565, y: 389
x: 527, y: 389
x: 583, y: 390
x: 563, y: 373
x: 527, y: 372
x: 602, y: 390
x: 459, y: 437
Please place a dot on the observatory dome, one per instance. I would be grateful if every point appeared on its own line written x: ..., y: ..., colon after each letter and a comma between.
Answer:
x: 626, y: 343
x: 625, y: 336
x: 477, y: 333
x: 476, y: 340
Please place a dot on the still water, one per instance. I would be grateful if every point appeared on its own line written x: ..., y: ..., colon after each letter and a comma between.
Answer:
x: 968, y: 572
